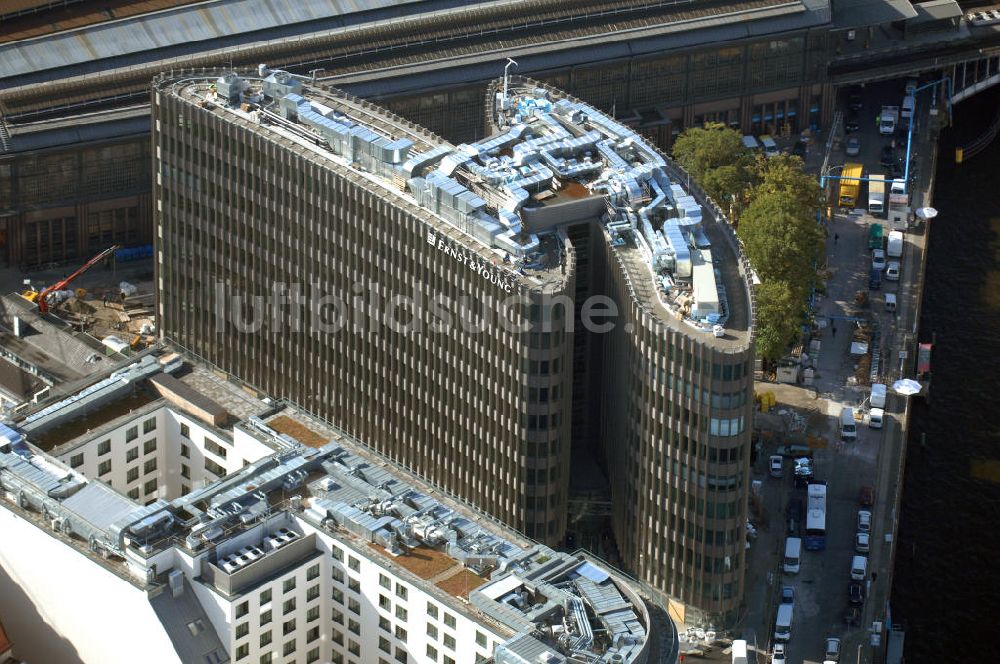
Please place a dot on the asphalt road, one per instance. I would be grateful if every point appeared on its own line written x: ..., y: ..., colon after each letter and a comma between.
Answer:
x: 821, y: 587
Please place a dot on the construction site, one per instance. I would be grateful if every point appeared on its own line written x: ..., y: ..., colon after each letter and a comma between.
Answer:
x: 110, y: 297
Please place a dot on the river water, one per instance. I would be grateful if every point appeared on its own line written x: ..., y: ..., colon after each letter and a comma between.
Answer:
x: 947, y: 577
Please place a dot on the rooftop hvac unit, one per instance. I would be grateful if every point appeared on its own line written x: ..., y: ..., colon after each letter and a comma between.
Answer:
x: 176, y: 580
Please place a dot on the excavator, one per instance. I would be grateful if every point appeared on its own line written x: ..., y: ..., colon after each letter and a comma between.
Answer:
x: 41, y: 297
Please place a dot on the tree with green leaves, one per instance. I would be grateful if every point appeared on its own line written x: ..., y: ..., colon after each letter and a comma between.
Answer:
x: 780, y: 310
x: 782, y: 239
x: 716, y: 158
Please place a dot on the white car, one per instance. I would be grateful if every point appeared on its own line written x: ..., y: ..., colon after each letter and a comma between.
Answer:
x: 777, y: 466
x: 892, y: 271
x: 832, y: 649
x: 862, y: 542
x: 878, y: 259
x: 853, y: 147
x: 778, y: 656
x: 864, y: 521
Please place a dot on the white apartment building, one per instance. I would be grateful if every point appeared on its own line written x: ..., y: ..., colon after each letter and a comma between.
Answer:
x: 283, y: 542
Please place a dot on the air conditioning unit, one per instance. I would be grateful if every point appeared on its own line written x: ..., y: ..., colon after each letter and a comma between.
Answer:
x: 851, y: 35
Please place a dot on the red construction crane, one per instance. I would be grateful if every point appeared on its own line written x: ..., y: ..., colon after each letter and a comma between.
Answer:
x: 42, y: 297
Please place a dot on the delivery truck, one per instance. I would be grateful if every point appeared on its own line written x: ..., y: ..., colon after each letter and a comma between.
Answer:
x: 850, y: 182
x: 894, y: 247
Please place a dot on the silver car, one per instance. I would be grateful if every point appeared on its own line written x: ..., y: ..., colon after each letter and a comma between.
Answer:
x: 832, y: 649
x: 853, y: 146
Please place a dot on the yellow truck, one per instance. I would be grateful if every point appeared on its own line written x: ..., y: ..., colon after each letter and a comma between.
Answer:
x: 850, y: 183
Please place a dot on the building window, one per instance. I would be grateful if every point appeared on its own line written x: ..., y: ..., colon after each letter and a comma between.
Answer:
x: 337, y: 553
x: 383, y: 623
x: 132, y: 475
x: 103, y: 447
x: 354, y: 648
x: 185, y: 489
x: 149, y: 466
x: 400, y: 655
x: 289, y: 585
x: 449, y: 620
x: 353, y: 564
x: 449, y: 641
x: 266, y: 658
x: 215, y: 448
x: 131, y: 455
x: 480, y: 639
x: 265, y: 596
x: 312, y: 634
x: 312, y: 573
x: 312, y: 593
x: 76, y: 461
x: 149, y: 446
x: 383, y: 644
x: 432, y: 631
x: 354, y: 585
x: 288, y: 627
x: 134, y: 493
x: 242, y: 651
x: 242, y: 630
x: 354, y: 627
x: 432, y: 652
x: 265, y: 617
x: 432, y: 610
x: 104, y: 468
x: 354, y: 606
x: 312, y: 655
x: 400, y: 633
x: 289, y: 648
x: 185, y: 451
x: 149, y: 425
x: 131, y: 434
x: 185, y: 472
x: 337, y: 637
x: 401, y: 591
x: 401, y: 613
x: 338, y: 596
x: 149, y: 487
x: 288, y: 606
x: 265, y: 638
x: 214, y: 468
x: 384, y: 581
x: 186, y: 432
x: 384, y: 603
x: 312, y: 614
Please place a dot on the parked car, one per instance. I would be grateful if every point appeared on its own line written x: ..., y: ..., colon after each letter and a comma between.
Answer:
x: 855, y: 101
x: 888, y: 158
x: 864, y: 521
x: 794, y: 451
x: 787, y: 595
x: 794, y: 510
x: 777, y: 466
x: 862, y: 542
x: 803, y: 471
x: 799, y: 149
x: 892, y: 271
x: 832, y: 649
x: 778, y: 656
x: 867, y: 497
x: 874, y: 279
x: 853, y: 146
x: 852, y: 616
x: 852, y: 123
x: 856, y: 593
x: 878, y: 259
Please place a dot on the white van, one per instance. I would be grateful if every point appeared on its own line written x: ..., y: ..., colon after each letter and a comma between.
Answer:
x: 890, y: 302
x: 739, y: 652
x: 783, y: 623
x: 909, y: 101
x: 770, y: 147
x: 793, y: 553
x: 875, y: 417
x: 750, y: 143
x: 859, y: 568
x: 879, y: 392
x: 848, y: 429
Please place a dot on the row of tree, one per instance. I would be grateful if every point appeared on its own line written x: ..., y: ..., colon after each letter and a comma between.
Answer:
x: 774, y: 205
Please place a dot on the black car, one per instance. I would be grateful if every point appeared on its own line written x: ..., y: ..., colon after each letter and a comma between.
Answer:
x: 852, y: 123
x: 888, y: 156
x: 856, y: 593
x: 854, y: 100
x: 794, y: 509
x: 875, y: 279
x: 799, y: 149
